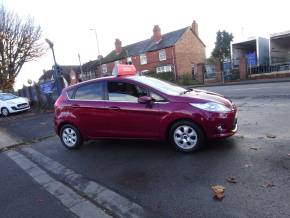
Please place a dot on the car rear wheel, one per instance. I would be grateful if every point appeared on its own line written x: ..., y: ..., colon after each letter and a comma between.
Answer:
x: 70, y: 137
x: 186, y: 136
x: 4, y: 112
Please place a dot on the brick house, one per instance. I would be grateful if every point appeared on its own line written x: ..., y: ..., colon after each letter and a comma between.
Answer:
x: 178, y: 52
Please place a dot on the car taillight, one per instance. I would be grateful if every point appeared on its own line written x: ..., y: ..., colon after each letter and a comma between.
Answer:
x: 58, y: 101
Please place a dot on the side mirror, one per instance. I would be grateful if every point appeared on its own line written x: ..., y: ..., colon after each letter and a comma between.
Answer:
x: 144, y: 99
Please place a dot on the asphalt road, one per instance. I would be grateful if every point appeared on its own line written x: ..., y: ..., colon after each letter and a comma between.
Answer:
x: 171, y: 184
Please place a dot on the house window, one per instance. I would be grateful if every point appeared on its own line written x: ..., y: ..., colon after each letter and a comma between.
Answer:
x: 129, y: 60
x: 162, y: 55
x: 143, y: 59
x: 164, y: 69
x: 104, y: 68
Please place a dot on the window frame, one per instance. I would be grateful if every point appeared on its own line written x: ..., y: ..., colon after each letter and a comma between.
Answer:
x: 76, y: 89
x: 143, y: 56
x: 104, y: 66
x: 162, y: 55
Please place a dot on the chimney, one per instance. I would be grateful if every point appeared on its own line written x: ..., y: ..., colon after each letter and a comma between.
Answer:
x: 118, y: 46
x: 157, y: 37
x: 194, y: 27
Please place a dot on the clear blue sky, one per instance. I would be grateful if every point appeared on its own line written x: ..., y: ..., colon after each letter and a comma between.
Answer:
x: 67, y: 23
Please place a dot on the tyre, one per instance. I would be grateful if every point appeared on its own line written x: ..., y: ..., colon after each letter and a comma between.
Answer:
x: 4, y: 112
x: 70, y: 137
x: 186, y: 136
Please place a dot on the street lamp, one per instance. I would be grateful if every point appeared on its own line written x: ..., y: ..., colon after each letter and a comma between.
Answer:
x: 55, y: 68
x: 96, y: 35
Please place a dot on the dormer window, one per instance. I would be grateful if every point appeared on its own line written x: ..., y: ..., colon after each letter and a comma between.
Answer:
x: 162, y: 55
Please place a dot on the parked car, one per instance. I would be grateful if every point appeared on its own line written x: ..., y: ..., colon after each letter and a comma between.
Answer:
x: 10, y: 103
x: 141, y: 107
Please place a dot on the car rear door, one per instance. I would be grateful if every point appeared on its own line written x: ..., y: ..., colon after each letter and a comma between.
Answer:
x: 126, y: 117
x: 88, y: 108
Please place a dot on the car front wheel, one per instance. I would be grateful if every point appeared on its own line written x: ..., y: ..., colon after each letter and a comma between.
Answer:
x: 5, y: 112
x: 186, y: 136
x: 70, y: 137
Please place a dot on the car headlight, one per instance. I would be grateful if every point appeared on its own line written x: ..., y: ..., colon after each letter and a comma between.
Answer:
x: 11, y: 103
x: 211, y: 106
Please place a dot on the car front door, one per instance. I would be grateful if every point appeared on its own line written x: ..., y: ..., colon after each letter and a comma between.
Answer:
x: 126, y: 117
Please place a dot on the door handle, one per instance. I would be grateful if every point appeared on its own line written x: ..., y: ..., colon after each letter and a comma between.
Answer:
x: 114, y: 108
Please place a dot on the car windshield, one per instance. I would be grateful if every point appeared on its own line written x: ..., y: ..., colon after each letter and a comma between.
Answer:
x: 7, y: 96
x: 160, y: 85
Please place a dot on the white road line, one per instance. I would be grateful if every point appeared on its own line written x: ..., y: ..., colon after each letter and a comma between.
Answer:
x: 108, y: 199
x: 70, y: 199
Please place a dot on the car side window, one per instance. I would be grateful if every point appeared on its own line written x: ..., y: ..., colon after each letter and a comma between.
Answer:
x: 122, y: 91
x: 91, y: 91
x: 157, y: 98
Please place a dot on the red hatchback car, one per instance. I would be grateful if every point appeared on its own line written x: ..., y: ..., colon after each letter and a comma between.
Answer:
x: 141, y: 107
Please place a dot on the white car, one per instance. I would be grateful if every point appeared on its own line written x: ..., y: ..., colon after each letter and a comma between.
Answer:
x: 11, y: 104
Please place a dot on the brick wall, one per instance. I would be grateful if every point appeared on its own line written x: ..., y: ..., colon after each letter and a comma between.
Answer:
x: 188, y: 50
x: 152, y: 61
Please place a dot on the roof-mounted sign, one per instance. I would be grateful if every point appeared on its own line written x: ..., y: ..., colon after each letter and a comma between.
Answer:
x: 124, y: 70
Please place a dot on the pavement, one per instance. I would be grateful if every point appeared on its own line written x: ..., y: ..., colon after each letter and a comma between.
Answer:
x: 152, y: 179
x: 243, y: 82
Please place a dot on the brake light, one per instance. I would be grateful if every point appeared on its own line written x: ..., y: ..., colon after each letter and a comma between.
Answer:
x: 58, y: 101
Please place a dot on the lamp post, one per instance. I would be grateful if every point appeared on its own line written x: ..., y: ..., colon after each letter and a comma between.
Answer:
x: 55, y: 68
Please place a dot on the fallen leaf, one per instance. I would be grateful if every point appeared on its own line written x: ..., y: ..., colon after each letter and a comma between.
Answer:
x: 268, y: 184
x: 232, y: 179
x: 218, y: 192
x: 289, y: 155
x: 271, y: 136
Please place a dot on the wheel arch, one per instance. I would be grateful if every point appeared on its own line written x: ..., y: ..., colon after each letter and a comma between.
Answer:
x: 169, y: 126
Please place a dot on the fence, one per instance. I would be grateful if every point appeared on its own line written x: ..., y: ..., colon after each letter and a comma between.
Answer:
x: 269, y: 69
x: 39, y: 99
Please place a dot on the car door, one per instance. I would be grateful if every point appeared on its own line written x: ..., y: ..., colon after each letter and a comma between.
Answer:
x: 126, y: 117
x: 88, y: 108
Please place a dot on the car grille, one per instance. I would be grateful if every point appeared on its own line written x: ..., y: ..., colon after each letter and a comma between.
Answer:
x: 22, y: 105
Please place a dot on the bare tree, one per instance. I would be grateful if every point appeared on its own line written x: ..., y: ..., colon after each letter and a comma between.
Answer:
x: 19, y: 43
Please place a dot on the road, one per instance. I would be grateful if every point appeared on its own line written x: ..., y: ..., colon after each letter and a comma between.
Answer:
x: 154, y: 176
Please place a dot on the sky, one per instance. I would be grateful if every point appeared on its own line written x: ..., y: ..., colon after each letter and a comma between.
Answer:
x: 68, y: 22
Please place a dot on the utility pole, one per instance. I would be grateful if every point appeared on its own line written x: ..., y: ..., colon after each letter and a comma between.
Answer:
x: 98, y: 49
x: 96, y: 35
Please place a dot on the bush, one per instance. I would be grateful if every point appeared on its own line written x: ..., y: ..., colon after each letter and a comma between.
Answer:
x: 186, y: 79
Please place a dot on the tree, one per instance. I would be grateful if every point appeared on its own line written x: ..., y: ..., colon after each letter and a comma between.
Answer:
x: 19, y: 43
x: 222, y: 50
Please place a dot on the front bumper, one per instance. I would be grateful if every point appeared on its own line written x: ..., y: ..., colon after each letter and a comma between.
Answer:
x: 222, y: 125
x: 15, y: 109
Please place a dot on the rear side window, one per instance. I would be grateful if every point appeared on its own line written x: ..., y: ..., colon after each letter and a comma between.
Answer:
x: 92, y: 91
x: 70, y: 93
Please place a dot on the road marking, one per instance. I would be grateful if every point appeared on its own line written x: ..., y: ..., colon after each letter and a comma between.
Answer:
x: 108, y: 199
x: 70, y: 199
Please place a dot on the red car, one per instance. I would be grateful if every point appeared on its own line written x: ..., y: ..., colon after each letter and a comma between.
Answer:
x: 141, y: 107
